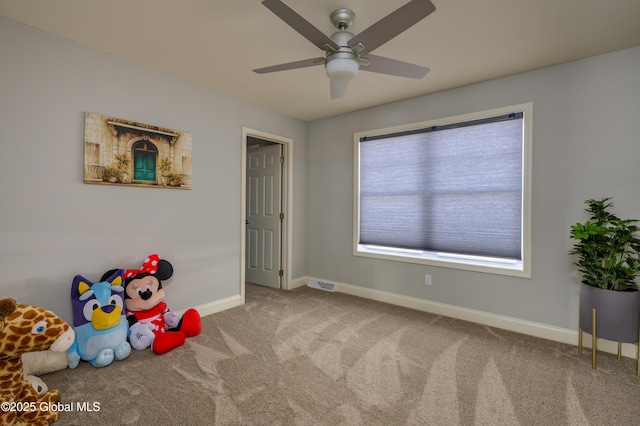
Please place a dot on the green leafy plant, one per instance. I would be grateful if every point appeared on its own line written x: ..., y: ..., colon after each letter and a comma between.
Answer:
x: 122, y: 162
x: 174, y: 179
x: 164, y: 165
x: 607, y: 248
x: 112, y: 173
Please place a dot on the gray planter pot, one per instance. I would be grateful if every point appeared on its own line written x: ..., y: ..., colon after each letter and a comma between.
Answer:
x: 617, y: 313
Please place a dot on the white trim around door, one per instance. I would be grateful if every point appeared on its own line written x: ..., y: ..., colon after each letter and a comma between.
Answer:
x: 287, y: 207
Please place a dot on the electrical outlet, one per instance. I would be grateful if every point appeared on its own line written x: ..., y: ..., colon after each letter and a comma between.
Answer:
x: 427, y: 279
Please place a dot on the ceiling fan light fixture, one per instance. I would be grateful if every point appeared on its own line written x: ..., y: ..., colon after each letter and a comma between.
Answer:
x: 342, y: 67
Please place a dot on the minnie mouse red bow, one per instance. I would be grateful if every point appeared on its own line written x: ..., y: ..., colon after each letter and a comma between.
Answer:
x: 150, y: 265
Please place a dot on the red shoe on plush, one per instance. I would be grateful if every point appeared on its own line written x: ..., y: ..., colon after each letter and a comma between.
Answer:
x: 167, y: 341
x: 191, y: 324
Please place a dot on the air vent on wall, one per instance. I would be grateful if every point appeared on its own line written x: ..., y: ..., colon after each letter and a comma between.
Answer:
x: 321, y: 285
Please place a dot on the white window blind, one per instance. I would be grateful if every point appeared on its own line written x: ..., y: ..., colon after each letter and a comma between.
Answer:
x: 455, y: 189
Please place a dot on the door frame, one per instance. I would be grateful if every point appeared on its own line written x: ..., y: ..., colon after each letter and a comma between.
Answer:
x: 287, y: 204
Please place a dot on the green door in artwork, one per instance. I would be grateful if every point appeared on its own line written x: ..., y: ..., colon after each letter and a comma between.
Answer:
x: 144, y: 162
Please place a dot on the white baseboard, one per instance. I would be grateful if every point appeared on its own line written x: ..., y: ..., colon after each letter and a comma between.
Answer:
x: 298, y: 282
x: 217, y: 306
x: 530, y: 328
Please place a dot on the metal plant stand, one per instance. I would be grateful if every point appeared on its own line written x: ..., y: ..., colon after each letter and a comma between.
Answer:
x: 594, y: 344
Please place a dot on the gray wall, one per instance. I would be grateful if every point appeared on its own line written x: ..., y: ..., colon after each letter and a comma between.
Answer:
x: 53, y: 226
x: 585, y: 145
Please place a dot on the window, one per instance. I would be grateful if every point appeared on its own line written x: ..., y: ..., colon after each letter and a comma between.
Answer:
x: 452, y: 192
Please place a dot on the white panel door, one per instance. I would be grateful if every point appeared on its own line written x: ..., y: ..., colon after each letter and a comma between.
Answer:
x: 264, y: 193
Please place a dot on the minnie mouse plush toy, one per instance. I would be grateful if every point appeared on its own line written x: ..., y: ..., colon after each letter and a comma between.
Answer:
x: 151, y: 323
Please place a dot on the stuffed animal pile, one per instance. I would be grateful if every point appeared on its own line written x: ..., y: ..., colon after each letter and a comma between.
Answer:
x: 125, y: 309
x: 26, y: 328
x: 99, y: 321
x: 151, y: 323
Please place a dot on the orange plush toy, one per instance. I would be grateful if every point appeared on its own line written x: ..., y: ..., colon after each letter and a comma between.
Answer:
x: 27, y: 328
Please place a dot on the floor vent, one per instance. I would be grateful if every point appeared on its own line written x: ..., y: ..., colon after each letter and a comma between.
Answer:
x: 321, y: 285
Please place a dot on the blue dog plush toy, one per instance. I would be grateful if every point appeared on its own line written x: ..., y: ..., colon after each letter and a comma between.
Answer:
x: 99, y: 321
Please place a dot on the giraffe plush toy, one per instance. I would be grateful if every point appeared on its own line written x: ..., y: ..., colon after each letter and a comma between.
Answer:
x: 27, y: 328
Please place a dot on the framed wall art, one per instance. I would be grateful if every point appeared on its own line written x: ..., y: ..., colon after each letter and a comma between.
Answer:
x: 122, y: 152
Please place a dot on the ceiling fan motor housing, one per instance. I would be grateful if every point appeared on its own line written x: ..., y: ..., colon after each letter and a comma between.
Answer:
x: 343, y: 63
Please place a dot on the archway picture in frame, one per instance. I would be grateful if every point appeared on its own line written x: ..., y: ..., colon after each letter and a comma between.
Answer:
x: 122, y: 152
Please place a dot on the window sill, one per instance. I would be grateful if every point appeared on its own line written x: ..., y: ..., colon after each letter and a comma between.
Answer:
x: 515, y: 268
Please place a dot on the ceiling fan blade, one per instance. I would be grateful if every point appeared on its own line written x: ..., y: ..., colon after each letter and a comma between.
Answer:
x: 291, y: 65
x: 392, y: 25
x: 300, y: 24
x: 383, y: 65
x: 338, y: 88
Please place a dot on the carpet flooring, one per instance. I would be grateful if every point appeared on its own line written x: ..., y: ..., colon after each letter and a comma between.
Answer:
x: 309, y: 357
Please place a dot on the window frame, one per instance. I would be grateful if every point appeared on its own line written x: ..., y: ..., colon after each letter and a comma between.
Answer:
x: 520, y: 269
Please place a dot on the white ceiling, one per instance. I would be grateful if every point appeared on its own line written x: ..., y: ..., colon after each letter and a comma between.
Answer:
x: 216, y: 43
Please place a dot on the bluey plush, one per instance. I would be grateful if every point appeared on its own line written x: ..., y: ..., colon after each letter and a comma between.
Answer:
x: 99, y: 321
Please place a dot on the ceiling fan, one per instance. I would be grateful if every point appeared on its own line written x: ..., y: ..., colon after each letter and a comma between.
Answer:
x: 346, y: 53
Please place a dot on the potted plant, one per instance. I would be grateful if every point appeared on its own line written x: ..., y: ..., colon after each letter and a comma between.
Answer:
x: 112, y: 174
x: 123, y: 166
x: 607, y: 249
x: 164, y: 165
x: 174, y: 179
